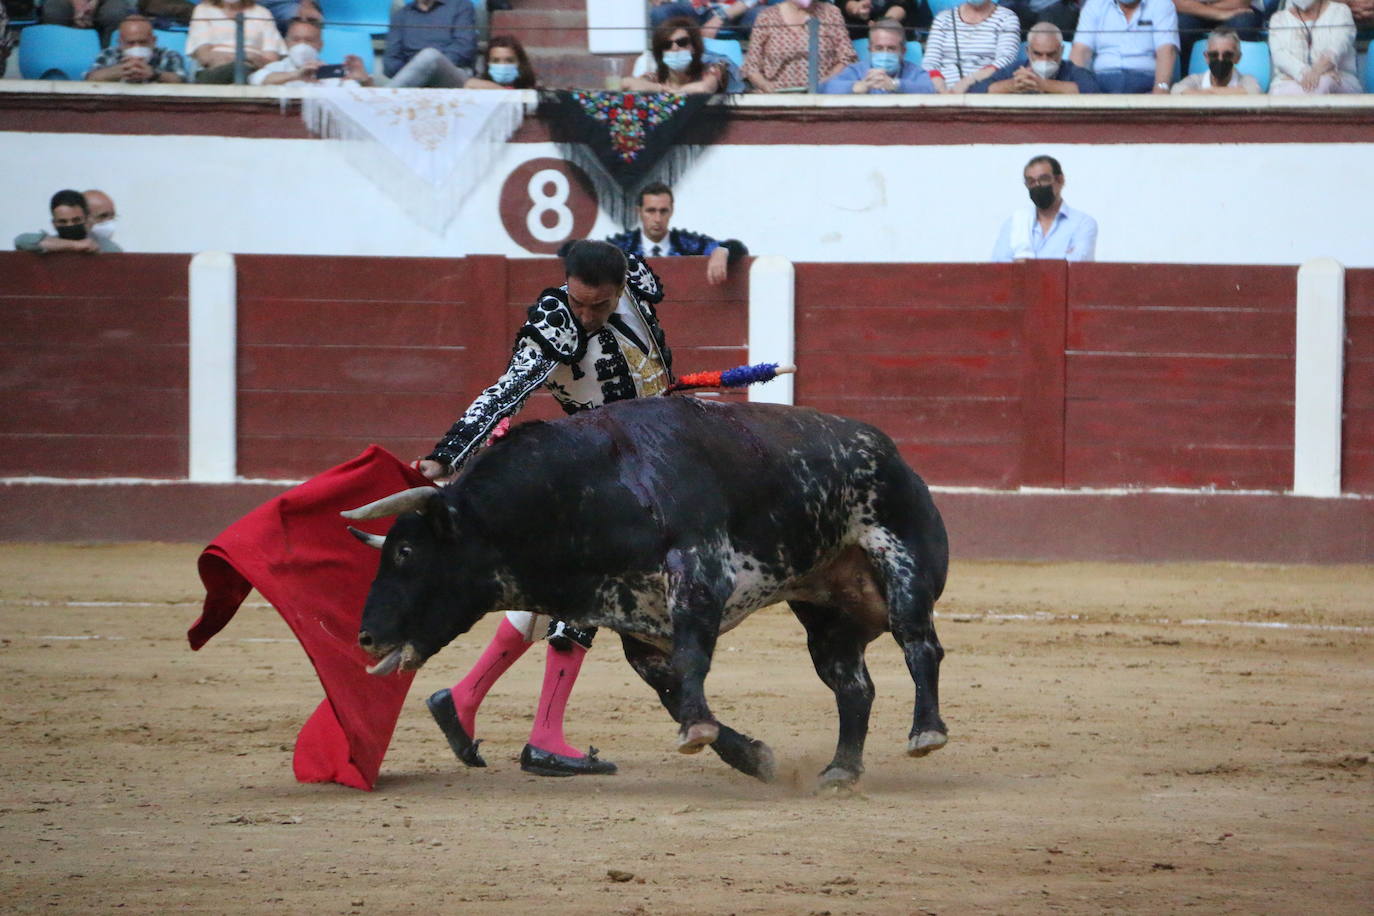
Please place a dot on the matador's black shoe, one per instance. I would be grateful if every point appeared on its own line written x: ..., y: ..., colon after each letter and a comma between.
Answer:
x: 547, y: 763
x: 441, y: 707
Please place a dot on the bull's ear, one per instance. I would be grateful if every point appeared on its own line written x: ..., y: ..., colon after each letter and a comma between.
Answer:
x: 441, y: 516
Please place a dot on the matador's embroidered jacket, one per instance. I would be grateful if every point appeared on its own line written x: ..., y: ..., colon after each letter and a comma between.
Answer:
x: 628, y: 358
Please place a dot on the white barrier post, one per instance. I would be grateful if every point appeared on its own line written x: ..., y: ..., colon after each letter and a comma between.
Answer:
x: 214, y: 378
x: 772, y: 324
x: 1319, y: 370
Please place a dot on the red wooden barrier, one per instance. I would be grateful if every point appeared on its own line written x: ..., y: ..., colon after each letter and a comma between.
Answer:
x: 1041, y: 374
x: 93, y: 368
x: 1357, y: 450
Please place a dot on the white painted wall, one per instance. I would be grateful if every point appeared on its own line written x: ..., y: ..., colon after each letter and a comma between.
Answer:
x: 1225, y: 203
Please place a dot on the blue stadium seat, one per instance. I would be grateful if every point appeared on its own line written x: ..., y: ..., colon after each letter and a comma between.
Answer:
x: 57, y: 52
x: 1368, y: 75
x: 339, y: 43
x: 914, y: 52
x: 367, y: 17
x: 172, y: 41
x: 1254, y: 60
x: 725, y: 47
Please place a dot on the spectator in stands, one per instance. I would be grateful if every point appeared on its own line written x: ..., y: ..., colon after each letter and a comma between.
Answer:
x: 505, y: 65
x: 286, y: 12
x: 304, y: 42
x: 1044, y: 71
x: 1063, y: 13
x: 1195, y: 17
x: 860, y: 14
x: 970, y: 43
x: 102, y: 15
x: 679, y: 59
x: 710, y: 15
x: 887, y: 69
x: 1131, y: 45
x: 654, y: 239
x: 1312, y: 44
x: 777, y: 57
x: 71, y: 218
x: 1222, y: 78
x: 1048, y: 228
x: 7, y: 38
x: 103, y: 220
x: 211, y: 38
x: 1362, y: 11
x: 136, y: 57
x: 431, y: 43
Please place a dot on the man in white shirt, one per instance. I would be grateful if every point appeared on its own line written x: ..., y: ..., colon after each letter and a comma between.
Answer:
x: 1131, y: 45
x: 1221, y: 76
x: 304, y: 42
x: 1049, y: 229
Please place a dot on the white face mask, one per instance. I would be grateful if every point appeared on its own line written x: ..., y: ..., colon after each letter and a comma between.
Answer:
x: 1303, y: 5
x: 1044, y: 68
x: 139, y: 52
x: 301, y: 54
x: 105, y: 230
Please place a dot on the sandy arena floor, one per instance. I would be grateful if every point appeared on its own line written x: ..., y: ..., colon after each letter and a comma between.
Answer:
x: 1120, y: 742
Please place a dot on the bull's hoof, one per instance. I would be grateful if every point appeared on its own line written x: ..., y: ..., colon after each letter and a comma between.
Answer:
x: 765, y: 766
x: 696, y: 736
x: 835, y: 778
x: 923, y: 743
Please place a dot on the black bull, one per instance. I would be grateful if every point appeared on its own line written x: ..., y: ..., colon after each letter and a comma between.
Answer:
x: 670, y: 520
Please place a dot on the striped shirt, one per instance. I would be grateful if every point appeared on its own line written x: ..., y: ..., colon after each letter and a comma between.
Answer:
x: 994, y: 42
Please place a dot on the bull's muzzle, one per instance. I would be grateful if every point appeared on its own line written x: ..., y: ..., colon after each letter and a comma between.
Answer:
x: 403, y: 658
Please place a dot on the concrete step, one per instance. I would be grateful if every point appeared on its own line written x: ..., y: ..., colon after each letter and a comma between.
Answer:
x: 542, y: 28
x: 564, y: 70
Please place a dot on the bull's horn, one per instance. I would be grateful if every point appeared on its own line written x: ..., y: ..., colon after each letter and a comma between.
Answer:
x: 395, y: 504
x: 371, y: 540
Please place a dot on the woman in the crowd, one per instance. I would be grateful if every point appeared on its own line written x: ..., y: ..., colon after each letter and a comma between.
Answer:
x: 777, y: 58
x: 210, y: 40
x: 971, y: 42
x: 504, y: 65
x: 860, y: 14
x: 681, y: 63
x: 1312, y: 46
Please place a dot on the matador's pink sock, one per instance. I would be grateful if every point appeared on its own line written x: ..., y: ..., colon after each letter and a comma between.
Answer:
x: 560, y: 673
x: 506, y: 646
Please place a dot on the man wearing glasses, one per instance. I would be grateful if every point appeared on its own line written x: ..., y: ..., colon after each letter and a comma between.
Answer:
x: 1221, y: 76
x: 1049, y: 228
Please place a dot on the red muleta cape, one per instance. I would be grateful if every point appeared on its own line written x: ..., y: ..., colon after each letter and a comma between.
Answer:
x: 297, y: 552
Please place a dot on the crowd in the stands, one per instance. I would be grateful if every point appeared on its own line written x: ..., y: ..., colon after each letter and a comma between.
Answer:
x: 1283, y: 47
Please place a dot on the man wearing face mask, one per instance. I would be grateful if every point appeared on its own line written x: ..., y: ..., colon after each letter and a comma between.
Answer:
x: 594, y: 340
x: 887, y: 69
x: 103, y: 221
x: 1048, y: 229
x: 1131, y: 45
x: 136, y: 57
x: 304, y: 42
x: 1044, y: 72
x: 70, y: 218
x: 1221, y: 78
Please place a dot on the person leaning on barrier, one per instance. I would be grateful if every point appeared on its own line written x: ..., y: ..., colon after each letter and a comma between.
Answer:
x: 970, y: 43
x: 680, y: 63
x: 504, y: 65
x: 102, y: 220
x: 304, y: 42
x: 1221, y: 77
x: 136, y: 57
x: 1048, y: 228
x: 431, y: 43
x: 887, y: 69
x: 1045, y: 71
x: 211, y: 39
x: 71, y: 218
x: 1312, y: 45
x: 1131, y: 45
x: 655, y: 238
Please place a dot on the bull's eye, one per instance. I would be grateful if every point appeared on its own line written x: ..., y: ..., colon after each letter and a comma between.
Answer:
x: 402, y: 553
